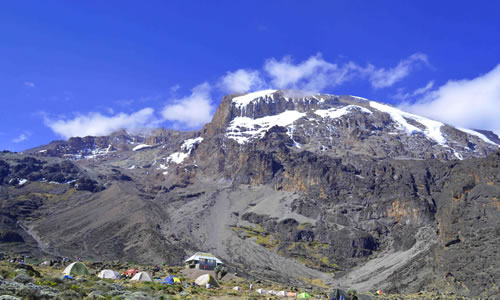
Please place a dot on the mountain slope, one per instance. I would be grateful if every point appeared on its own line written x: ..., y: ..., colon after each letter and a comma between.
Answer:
x: 283, y: 185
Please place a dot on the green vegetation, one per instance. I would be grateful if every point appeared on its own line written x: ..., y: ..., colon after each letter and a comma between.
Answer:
x: 303, y: 226
x: 262, y: 238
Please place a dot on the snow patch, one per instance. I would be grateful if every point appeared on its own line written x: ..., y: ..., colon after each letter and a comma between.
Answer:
x: 141, y: 146
x: 190, y: 143
x: 433, y: 128
x: 479, y: 135
x: 290, y: 130
x: 132, y: 167
x: 359, y: 98
x: 458, y: 155
x: 242, y: 129
x: 42, y: 151
x: 334, y: 113
x: 244, y: 100
x: 177, y: 157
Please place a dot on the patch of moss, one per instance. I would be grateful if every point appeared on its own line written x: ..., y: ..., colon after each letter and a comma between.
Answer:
x: 315, y: 281
x: 303, y: 226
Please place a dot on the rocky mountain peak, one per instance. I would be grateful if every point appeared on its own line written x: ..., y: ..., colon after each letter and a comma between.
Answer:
x: 340, y: 124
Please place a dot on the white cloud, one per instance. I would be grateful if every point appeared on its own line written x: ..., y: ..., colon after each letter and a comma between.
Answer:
x: 241, y: 81
x: 425, y: 89
x: 316, y: 74
x: 470, y: 103
x: 22, y: 137
x: 380, y: 78
x: 96, y: 124
x: 173, y: 89
x: 29, y: 84
x: 402, y: 95
x: 192, y: 111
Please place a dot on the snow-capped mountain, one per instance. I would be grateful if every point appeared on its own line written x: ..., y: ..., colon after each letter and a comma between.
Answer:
x: 285, y: 184
x: 335, y: 125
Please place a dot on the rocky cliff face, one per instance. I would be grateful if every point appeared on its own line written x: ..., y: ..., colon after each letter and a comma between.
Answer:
x: 283, y: 185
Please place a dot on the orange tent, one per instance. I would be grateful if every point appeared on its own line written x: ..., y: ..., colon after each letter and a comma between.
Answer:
x: 131, y: 272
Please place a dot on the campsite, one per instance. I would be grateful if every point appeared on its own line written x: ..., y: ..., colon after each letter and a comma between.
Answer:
x: 41, y: 279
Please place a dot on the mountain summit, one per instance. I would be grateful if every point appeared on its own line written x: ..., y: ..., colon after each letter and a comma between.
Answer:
x: 283, y: 185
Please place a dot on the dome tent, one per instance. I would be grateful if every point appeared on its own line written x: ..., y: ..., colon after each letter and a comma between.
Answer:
x: 131, y: 272
x: 108, y: 274
x: 76, y: 268
x: 171, y: 280
x: 141, y: 276
x: 204, y: 279
x: 303, y: 295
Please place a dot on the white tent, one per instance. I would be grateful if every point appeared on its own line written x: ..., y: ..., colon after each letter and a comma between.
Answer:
x: 141, y: 276
x: 236, y: 288
x: 261, y: 291
x: 206, y: 278
x: 108, y: 274
x: 281, y: 294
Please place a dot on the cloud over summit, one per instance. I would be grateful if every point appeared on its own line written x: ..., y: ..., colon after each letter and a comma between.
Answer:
x: 469, y: 103
x: 316, y: 74
x: 192, y: 111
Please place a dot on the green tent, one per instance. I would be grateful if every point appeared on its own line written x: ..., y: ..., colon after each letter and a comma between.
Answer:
x: 303, y: 295
x: 76, y: 268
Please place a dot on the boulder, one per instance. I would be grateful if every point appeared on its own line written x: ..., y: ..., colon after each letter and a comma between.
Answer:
x: 23, y: 278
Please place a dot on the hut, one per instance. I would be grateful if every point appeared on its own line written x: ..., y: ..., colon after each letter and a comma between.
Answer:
x: 203, y: 261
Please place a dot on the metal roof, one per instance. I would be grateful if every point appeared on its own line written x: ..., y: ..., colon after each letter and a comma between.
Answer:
x: 204, y: 255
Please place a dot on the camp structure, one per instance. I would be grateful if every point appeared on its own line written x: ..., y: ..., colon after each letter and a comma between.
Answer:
x: 141, y: 276
x: 204, y: 279
x: 108, y: 274
x: 171, y: 280
x: 237, y: 288
x: 203, y: 261
x: 76, y: 268
x: 281, y: 294
x: 303, y: 295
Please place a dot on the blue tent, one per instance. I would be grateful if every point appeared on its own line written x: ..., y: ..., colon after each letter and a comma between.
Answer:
x: 67, y: 277
x: 171, y: 279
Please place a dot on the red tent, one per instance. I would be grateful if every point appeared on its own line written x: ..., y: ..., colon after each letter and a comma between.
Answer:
x: 131, y: 272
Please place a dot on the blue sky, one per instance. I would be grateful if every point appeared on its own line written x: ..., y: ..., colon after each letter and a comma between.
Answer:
x: 88, y: 67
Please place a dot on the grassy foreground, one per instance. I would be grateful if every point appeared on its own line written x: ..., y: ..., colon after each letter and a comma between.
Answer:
x: 46, y: 283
